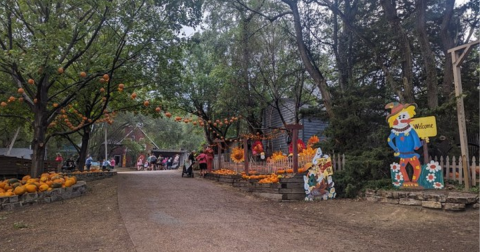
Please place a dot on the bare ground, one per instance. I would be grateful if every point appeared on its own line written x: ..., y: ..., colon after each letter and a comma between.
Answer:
x: 94, y: 223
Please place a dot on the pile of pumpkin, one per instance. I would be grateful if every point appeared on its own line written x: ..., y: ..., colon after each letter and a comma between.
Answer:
x: 290, y: 170
x: 27, y: 184
x: 263, y: 178
x: 224, y: 172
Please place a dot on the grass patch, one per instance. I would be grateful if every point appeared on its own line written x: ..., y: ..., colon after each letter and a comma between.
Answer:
x: 20, y: 225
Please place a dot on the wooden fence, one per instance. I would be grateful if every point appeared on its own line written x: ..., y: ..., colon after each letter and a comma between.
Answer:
x: 263, y: 167
x: 13, y: 166
x: 453, y: 169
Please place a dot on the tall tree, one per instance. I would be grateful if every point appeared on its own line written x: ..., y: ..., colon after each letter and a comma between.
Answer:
x: 427, y: 54
x: 47, y: 45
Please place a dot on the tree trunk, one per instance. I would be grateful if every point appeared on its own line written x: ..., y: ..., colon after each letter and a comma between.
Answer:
x: 83, y: 148
x: 343, y: 44
x: 308, y: 61
x: 390, y: 10
x: 448, y: 43
x: 38, y: 142
x: 427, y: 54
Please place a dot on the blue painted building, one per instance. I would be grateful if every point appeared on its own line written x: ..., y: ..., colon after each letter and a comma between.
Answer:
x: 271, y: 120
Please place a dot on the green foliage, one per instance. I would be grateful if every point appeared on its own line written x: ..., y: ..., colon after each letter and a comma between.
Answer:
x: 371, y: 169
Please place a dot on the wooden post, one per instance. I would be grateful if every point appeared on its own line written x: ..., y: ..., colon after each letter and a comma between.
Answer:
x: 245, y: 154
x: 219, y: 152
x: 294, y: 128
x: 425, y: 151
x: 457, y: 60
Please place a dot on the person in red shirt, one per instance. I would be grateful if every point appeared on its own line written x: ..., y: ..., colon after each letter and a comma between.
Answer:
x: 112, y: 163
x: 59, y: 160
x: 202, y: 161
x: 209, y: 153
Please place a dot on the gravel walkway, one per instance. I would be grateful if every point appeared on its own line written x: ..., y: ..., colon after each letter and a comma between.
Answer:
x: 164, y: 212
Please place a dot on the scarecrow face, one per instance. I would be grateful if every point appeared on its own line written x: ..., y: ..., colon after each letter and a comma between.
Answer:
x: 402, y: 120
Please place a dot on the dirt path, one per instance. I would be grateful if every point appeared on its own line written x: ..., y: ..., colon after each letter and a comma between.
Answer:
x: 160, y: 211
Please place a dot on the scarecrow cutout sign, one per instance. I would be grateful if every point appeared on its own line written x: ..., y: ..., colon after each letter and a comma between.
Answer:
x: 318, y: 183
x: 408, y: 134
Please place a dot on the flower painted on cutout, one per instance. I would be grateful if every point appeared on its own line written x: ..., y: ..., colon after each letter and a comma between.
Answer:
x: 398, y: 177
x: 433, y: 166
x: 437, y: 185
x: 431, y: 177
x: 396, y: 184
x: 395, y: 167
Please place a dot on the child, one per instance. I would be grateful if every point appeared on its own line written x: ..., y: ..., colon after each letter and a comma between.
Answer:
x: 145, y: 165
x: 140, y: 164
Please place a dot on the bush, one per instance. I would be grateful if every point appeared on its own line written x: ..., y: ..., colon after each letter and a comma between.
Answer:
x: 370, y: 169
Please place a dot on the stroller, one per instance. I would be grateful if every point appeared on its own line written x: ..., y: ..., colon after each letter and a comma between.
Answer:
x: 187, y: 171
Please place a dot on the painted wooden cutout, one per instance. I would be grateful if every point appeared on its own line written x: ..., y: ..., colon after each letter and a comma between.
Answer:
x: 318, y: 183
x: 404, y: 140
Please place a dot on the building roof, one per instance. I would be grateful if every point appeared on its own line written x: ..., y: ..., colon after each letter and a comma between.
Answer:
x: 137, y: 127
x: 17, y: 152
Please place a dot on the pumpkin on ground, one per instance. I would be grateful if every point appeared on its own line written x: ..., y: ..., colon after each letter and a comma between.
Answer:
x: 43, y: 187
x: 31, y: 188
x: 19, y: 190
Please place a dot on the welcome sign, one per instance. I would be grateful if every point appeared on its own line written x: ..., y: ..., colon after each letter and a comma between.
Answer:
x: 425, y: 126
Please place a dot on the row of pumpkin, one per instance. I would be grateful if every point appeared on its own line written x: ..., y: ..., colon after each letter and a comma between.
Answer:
x: 253, y: 175
x: 46, y: 182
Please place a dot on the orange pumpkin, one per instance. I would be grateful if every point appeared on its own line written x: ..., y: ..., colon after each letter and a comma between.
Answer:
x: 19, y: 190
x: 43, y: 187
x: 31, y: 188
x: 69, y: 182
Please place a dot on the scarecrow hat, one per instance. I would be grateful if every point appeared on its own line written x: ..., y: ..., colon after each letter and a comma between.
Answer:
x: 397, y: 107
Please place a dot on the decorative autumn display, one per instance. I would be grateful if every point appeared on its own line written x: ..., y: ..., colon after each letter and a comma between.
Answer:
x: 46, y: 182
x: 237, y: 155
x: 278, y: 156
x: 300, y: 146
x: 272, y: 178
x: 312, y: 140
x: 224, y: 172
x: 257, y: 147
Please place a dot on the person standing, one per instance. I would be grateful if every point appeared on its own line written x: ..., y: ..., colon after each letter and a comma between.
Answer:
x: 191, y: 160
x: 176, y: 161
x: 140, y: 163
x: 88, y: 162
x: 59, y: 160
x: 202, y: 161
x: 148, y: 161
x: 112, y: 163
x: 153, y: 162
x: 105, y: 164
x: 169, y: 163
x: 210, y: 156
